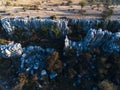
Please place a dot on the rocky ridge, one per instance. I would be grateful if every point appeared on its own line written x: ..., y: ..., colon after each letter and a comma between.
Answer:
x: 32, y: 57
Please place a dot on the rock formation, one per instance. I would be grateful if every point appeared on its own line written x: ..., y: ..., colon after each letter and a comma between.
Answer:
x: 11, y: 50
x: 107, y: 41
x: 9, y: 24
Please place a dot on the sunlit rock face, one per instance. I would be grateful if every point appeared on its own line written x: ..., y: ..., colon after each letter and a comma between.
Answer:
x: 11, y: 50
x: 107, y: 41
x: 95, y: 38
x: 104, y: 39
x: 9, y: 24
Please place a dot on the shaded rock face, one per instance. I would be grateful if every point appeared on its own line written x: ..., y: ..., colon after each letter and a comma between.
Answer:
x: 113, y: 45
x: 86, y: 25
x: 105, y: 40
x: 32, y: 59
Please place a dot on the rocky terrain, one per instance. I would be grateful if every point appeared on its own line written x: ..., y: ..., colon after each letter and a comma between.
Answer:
x: 40, y: 54
x: 59, y: 45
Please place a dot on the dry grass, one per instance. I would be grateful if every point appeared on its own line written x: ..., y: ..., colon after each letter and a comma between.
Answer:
x: 61, y: 8
x: 41, y: 1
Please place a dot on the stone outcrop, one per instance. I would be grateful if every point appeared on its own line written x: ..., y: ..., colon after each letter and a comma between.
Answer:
x: 107, y: 41
x: 33, y: 57
x: 11, y: 50
x: 9, y: 24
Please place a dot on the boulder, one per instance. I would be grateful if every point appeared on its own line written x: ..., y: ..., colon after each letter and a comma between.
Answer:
x: 11, y: 50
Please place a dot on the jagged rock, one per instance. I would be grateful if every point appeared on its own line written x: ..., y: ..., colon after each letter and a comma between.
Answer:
x: 66, y: 42
x: 9, y: 24
x: 53, y: 75
x: 94, y: 38
x: 113, y: 44
x: 109, y: 42
x: 49, y: 50
x: 43, y: 72
x: 34, y: 58
x: 10, y: 50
